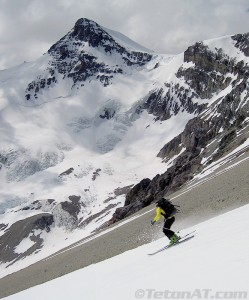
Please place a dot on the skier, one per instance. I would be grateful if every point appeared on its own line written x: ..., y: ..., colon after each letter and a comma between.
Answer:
x: 167, y: 210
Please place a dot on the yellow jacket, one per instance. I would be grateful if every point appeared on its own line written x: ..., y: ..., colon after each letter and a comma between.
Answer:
x: 160, y: 213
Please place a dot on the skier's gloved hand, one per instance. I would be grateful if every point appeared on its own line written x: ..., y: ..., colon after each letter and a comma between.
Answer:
x: 152, y: 222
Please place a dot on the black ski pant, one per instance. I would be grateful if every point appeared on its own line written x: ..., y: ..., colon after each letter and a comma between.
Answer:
x: 166, y: 227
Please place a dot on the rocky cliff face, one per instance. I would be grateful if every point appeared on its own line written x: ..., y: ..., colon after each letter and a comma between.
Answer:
x: 224, y: 123
x: 164, y: 104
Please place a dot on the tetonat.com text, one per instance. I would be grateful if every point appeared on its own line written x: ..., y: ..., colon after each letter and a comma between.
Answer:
x: 195, y: 294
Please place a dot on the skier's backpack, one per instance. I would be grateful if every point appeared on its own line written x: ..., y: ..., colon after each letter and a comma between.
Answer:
x: 169, y: 208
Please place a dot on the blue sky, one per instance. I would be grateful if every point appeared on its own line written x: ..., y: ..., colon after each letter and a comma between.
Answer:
x: 29, y: 27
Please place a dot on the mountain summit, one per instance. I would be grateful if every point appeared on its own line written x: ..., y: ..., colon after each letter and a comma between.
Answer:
x: 89, y: 31
x: 88, y: 51
x: 99, y: 127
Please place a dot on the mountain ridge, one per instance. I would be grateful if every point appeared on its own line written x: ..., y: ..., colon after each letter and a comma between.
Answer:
x: 224, y: 124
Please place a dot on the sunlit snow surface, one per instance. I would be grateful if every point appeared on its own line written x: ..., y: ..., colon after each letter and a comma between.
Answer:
x: 215, y: 261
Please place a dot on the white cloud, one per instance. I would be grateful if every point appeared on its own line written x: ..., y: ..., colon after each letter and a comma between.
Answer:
x: 29, y: 27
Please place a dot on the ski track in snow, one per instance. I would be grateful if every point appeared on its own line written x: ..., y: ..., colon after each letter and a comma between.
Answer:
x: 216, y: 259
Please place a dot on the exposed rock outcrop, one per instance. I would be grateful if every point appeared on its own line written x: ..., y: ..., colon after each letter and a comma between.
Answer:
x: 167, y: 102
x: 242, y: 42
x: 210, y: 70
x: 30, y: 229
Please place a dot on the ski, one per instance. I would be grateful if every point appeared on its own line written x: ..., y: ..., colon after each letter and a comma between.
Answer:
x: 184, y: 238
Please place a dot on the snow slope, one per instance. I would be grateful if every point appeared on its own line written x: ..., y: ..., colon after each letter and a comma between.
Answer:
x: 214, y: 264
x: 63, y: 131
x: 126, y: 42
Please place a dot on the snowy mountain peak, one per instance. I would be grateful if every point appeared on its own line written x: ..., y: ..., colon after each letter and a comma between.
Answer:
x: 87, y: 33
x: 88, y: 52
x: 84, y: 22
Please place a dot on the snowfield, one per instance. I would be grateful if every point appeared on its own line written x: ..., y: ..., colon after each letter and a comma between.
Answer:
x: 212, y: 265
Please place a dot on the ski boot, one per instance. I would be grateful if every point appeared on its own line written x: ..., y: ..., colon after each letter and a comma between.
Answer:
x: 174, y: 239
